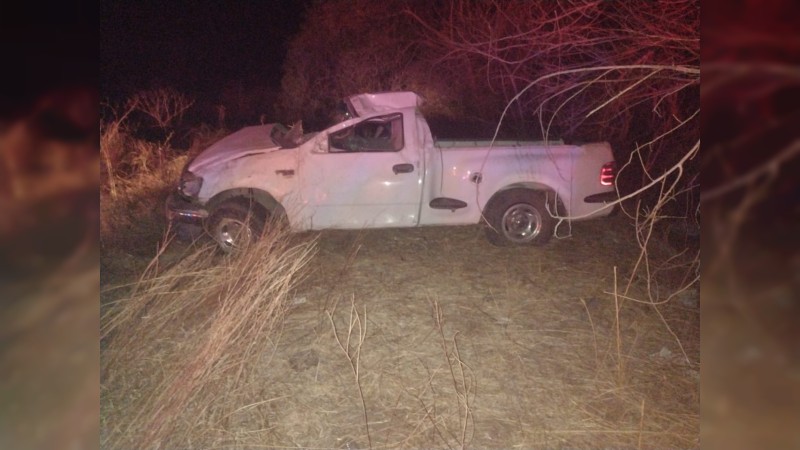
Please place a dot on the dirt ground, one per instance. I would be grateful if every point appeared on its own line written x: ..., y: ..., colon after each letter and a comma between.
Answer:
x: 432, y: 337
x: 532, y: 326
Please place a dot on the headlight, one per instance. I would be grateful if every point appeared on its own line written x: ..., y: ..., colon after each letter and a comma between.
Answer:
x: 190, y: 184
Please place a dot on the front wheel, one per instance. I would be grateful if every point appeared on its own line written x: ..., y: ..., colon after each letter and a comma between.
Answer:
x: 519, y: 217
x: 234, y: 226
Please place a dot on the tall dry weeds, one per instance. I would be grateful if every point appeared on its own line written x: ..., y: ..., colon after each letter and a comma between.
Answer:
x: 181, y: 348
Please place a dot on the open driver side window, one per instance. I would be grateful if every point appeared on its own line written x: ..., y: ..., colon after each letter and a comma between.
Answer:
x: 377, y: 134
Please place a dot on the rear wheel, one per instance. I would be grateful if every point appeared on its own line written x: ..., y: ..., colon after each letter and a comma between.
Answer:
x: 519, y: 217
x: 234, y: 226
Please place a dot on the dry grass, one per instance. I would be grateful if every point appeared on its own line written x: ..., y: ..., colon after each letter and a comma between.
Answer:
x: 181, y: 352
x: 133, y: 220
x: 468, y: 345
x: 524, y: 354
x: 136, y: 177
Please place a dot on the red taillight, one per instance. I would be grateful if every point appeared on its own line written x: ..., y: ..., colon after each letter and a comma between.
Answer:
x: 607, y: 173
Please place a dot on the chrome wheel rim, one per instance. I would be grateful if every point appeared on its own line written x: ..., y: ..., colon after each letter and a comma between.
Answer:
x: 522, y: 223
x: 233, y: 234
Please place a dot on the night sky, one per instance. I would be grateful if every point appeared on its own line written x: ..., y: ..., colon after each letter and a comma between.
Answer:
x: 196, y: 47
x: 45, y: 48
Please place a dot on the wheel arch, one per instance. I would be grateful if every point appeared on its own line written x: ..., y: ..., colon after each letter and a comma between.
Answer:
x: 248, y: 196
x: 550, y: 193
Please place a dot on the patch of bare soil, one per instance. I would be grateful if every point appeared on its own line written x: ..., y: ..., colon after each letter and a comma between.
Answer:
x: 432, y: 337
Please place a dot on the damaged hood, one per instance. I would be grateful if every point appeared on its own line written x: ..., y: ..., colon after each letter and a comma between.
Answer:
x: 247, y: 141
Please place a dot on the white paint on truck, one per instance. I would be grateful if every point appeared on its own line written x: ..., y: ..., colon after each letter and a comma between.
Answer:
x: 381, y: 168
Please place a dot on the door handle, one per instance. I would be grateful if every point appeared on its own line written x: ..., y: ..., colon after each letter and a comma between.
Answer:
x: 402, y: 168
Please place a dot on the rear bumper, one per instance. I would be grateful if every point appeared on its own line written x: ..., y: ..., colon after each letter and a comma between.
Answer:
x: 178, y: 208
x: 603, y: 197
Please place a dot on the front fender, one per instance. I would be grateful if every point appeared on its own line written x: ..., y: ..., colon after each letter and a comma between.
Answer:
x: 263, y: 198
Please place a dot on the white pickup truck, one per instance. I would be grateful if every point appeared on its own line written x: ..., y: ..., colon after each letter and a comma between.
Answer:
x: 379, y: 167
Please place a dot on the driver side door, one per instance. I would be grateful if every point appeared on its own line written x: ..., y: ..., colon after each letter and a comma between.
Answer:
x: 368, y: 176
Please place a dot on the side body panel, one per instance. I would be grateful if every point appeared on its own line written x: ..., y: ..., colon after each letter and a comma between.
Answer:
x: 264, y: 171
x: 354, y: 190
x: 572, y: 172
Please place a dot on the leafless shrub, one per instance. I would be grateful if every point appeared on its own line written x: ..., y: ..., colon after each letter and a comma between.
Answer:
x: 510, y: 44
x: 460, y: 435
x: 351, y: 345
x: 131, y: 165
x: 164, y: 105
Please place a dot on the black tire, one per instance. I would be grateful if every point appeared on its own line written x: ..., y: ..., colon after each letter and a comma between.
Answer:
x: 236, y: 225
x: 519, y: 217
